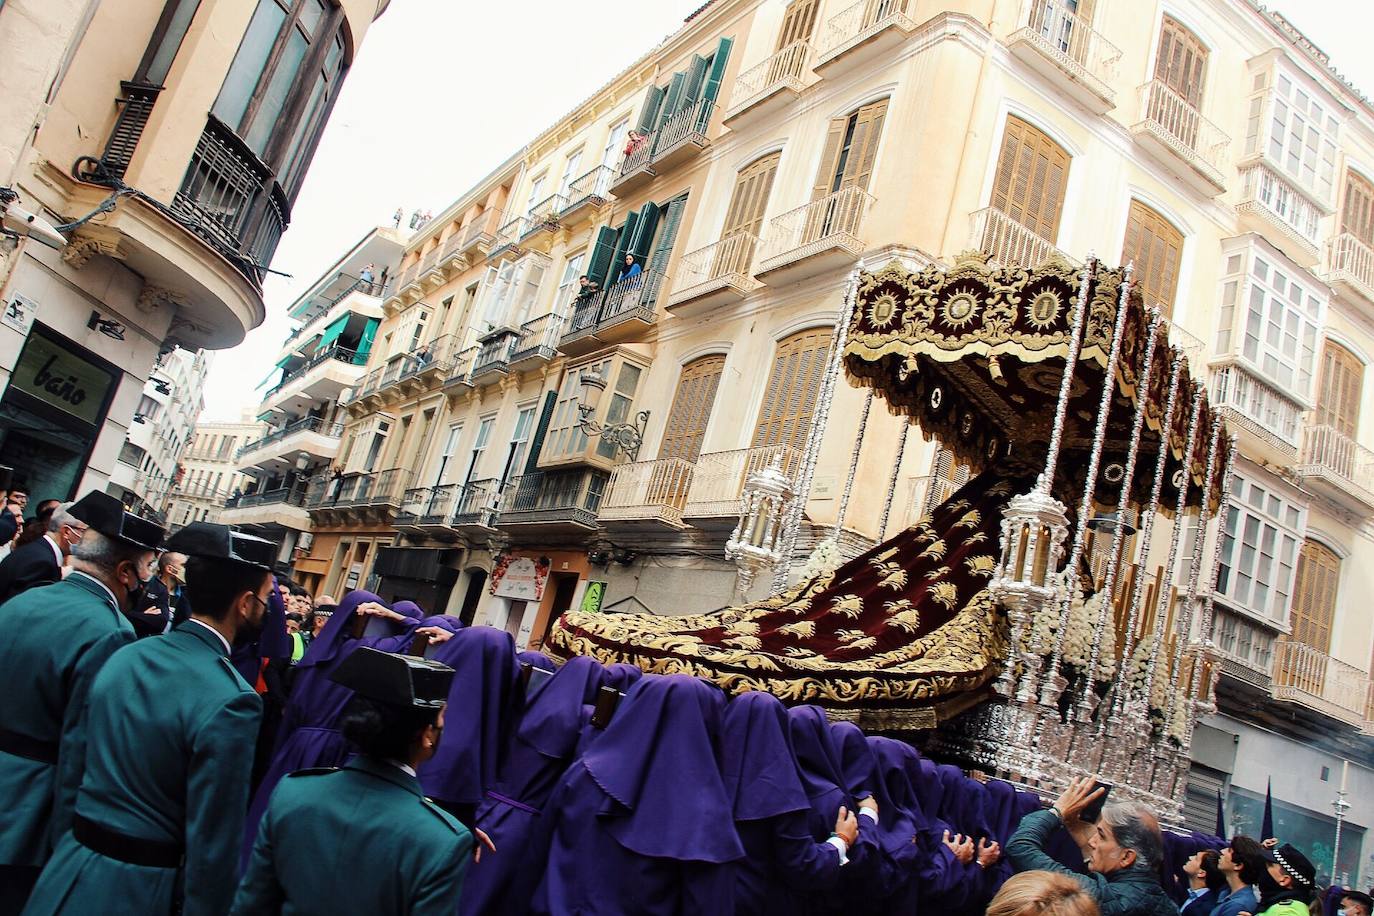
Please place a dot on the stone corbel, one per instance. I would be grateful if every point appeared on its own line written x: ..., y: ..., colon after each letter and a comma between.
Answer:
x: 90, y: 241
x: 153, y: 297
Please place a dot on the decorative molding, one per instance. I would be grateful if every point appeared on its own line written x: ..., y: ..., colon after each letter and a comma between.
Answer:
x: 92, y: 241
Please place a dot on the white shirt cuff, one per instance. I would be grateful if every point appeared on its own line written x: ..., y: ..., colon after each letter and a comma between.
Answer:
x: 870, y: 814
x: 841, y: 848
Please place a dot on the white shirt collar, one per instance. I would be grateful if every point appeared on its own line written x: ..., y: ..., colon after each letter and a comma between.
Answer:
x: 103, y: 587
x: 218, y: 634
x: 402, y: 766
x: 57, y: 551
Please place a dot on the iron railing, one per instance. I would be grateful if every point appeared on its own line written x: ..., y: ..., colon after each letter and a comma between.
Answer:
x: 1327, y: 450
x: 856, y: 24
x: 784, y: 70
x: 1061, y: 35
x: 1007, y: 242
x: 494, y: 353
x: 835, y: 220
x: 683, y: 126
x: 1305, y: 675
x: 547, y: 496
x: 1351, y: 260
x: 332, y: 353
x: 307, y: 425
x: 648, y: 489
x: 718, y: 477
x: 538, y: 338
x: 593, y: 187
x: 1175, y: 121
x: 481, y: 230
x: 729, y: 262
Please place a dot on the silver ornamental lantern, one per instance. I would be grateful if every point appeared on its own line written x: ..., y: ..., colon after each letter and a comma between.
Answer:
x: 756, y: 541
x: 1034, y: 528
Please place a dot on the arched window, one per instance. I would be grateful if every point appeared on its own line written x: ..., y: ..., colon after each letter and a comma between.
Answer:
x: 744, y: 216
x: 793, y: 383
x: 851, y: 148
x: 1314, y: 596
x: 1182, y: 61
x: 1357, y: 216
x: 1338, y: 405
x: 1032, y: 174
x: 1156, y: 249
x: 691, y: 411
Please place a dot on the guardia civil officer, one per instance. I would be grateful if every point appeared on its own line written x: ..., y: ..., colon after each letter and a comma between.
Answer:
x: 170, y: 744
x: 363, y: 839
x: 54, y: 639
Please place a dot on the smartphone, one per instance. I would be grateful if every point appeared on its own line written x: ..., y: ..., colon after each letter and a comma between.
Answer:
x: 607, y: 698
x: 1091, y: 813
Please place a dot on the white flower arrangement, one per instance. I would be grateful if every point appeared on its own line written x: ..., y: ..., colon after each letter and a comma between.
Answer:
x: 824, y: 559
x: 1139, y: 673
x: 1078, y: 638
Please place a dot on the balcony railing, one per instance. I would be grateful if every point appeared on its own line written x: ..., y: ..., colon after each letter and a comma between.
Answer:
x: 382, y: 488
x: 1325, y: 450
x: 494, y: 353
x: 1256, y: 405
x: 545, y: 213
x: 407, y: 276
x: 292, y: 495
x: 552, y: 497
x: 630, y: 295
x: 332, y: 353
x: 538, y: 338
x: 1175, y: 122
x: 592, y: 188
x: 1007, y: 242
x: 232, y: 201
x: 461, y: 371
x: 1071, y: 43
x: 833, y: 221
x: 308, y: 425
x: 648, y: 490
x: 860, y: 22
x: 1351, y: 261
x: 784, y: 70
x: 718, y: 477
x: 1282, y: 203
x: 1320, y: 682
x: 687, y: 125
x: 477, y: 502
x: 729, y: 262
x: 510, y: 233
x: 482, y: 230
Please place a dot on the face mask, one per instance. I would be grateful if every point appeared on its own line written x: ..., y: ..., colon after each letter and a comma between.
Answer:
x: 1268, y: 887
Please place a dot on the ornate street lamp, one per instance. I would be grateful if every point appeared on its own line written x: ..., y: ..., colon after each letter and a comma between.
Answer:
x: 628, y: 437
x: 756, y: 541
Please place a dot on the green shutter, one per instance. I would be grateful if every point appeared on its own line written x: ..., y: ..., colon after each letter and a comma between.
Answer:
x: 603, y: 254
x: 332, y: 332
x: 641, y: 243
x: 648, y: 116
x: 622, y: 245
x: 717, y: 74
x: 696, y: 74
x: 537, y: 440
x: 672, y: 220
x: 365, y: 343
x: 673, y: 101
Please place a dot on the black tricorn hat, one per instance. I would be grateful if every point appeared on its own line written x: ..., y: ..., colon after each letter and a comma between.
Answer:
x: 213, y: 541
x: 400, y: 680
x: 105, y: 514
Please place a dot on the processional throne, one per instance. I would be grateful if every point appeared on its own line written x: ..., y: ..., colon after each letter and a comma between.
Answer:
x: 984, y: 623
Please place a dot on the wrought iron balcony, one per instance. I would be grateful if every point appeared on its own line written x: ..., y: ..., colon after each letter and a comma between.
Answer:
x: 303, y: 378
x: 291, y: 495
x: 1327, y: 685
x: 865, y: 31
x: 1272, y: 204
x: 681, y: 136
x: 718, y: 274
x: 538, y: 342
x: 617, y: 315
x: 718, y: 478
x: 493, y: 355
x: 383, y: 489
x: 544, y: 216
x: 481, y: 233
x: 1258, y: 408
x: 1006, y: 242
x: 1350, y: 266
x: 460, y: 374
x: 771, y: 84
x: 554, y: 502
x: 1339, y: 466
x: 1178, y: 131
x: 1058, y: 44
x: 587, y: 194
x: 814, y: 238
x: 312, y: 436
x: 507, y: 239
x: 647, y: 492
x: 476, y: 505
x: 636, y: 166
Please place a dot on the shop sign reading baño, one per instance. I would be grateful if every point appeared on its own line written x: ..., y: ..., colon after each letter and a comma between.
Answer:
x: 55, y: 376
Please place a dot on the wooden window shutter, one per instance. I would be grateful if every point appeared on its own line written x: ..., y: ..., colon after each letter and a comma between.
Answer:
x: 663, y: 250
x: 793, y: 383
x: 1357, y: 217
x: 830, y: 158
x: 1156, y: 249
x: 696, y: 76
x: 1029, y: 186
x: 750, y: 198
x: 798, y: 22
x: 863, y: 147
x: 696, y: 395
x: 648, y: 115
x: 1338, y: 406
x: 716, y: 76
x: 642, y: 241
x: 603, y: 250
x: 1314, y: 596
x: 673, y: 101
x: 1181, y: 62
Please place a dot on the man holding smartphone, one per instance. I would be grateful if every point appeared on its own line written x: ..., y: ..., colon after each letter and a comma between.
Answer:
x: 1121, y: 845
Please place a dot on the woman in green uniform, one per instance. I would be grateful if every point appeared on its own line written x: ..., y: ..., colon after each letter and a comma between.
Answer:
x: 362, y: 839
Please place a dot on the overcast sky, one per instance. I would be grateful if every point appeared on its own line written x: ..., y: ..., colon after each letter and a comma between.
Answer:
x: 443, y: 91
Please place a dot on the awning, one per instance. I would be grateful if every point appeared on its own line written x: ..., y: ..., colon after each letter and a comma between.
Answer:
x: 332, y: 332
x: 365, y: 344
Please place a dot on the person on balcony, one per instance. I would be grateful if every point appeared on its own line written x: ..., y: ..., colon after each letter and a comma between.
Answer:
x: 368, y: 276
x: 633, y: 142
x: 631, y: 270
x: 587, y: 288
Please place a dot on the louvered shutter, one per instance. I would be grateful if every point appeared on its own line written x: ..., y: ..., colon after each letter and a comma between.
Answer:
x: 696, y: 76
x: 798, y: 22
x: 603, y: 251
x: 717, y: 74
x: 1029, y: 184
x: 863, y: 150
x: 1357, y: 217
x: 540, y: 431
x: 641, y: 242
x: 696, y: 395
x: 1155, y: 247
x: 673, y: 101
x: 1181, y: 62
x: 750, y: 198
x: 1314, y: 596
x: 793, y: 383
x: 622, y: 245
x: 1342, y: 382
x: 663, y: 250
x: 648, y: 115
x: 830, y: 159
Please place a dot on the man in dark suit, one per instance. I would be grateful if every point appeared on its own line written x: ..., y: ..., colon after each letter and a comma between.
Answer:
x: 40, y: 562
x: 1206, y: 883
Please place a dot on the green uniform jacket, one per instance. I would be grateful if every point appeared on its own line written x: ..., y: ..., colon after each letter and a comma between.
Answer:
x: 1286, y: 908
x: 171, y: 733
x: 358, y: 840
x: 53, y: 641
x: 1133, y: 891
